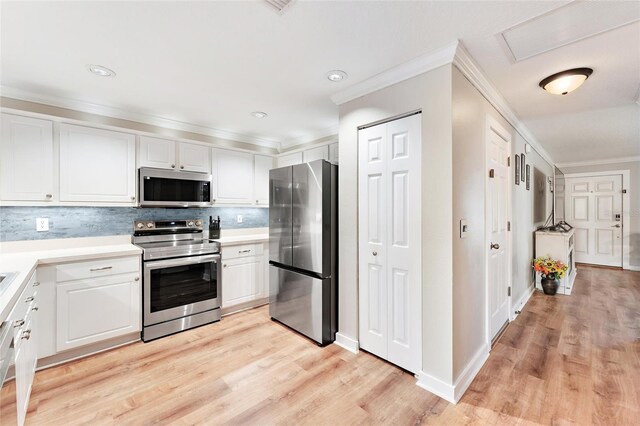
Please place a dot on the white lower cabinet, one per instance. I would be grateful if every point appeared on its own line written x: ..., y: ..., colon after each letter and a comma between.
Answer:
x: 97, y: 300
x: 244, y: 272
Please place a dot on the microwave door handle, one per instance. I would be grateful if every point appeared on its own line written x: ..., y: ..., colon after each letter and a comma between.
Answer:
x: 156, y: 264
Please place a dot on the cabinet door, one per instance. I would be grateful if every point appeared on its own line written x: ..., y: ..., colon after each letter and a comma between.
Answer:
x: 233, y: 177
x: 333, y: 153
x: 242, y: 280
x: 96, y: 165
x: 319, y: 153
x: 290, y: 159
x: 26, y: 159
x: 97, y: 309
x: 155, y: 152
x: 262, y: 165
x: 194, y: 158
x: 26, y: 357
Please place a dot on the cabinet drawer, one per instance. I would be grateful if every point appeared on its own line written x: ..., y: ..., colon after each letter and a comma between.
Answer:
x: 244, y: 250
x: 97, y: 268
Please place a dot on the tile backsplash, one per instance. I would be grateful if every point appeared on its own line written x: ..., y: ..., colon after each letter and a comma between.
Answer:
x: 19, y: 223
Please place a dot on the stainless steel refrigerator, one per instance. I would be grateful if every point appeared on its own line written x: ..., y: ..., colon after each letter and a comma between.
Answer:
x: 303, y: 262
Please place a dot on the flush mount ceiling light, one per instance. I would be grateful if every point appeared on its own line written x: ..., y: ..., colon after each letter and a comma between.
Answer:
x: 259, y: 114
x: 336, y: 76
x: 101, y: 71
x: 567, y: 81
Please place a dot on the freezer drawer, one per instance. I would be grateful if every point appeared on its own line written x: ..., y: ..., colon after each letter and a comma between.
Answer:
x: 304, y: 303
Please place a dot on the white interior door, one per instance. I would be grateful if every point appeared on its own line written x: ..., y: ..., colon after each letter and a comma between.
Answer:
x: 497, y: 216
x: 390, y: 241
x: 594, y: 207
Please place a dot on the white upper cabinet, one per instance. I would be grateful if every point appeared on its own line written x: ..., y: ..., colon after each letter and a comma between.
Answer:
x: 262, y: 165
x: 26, y: 159
x: 156, y: 152
x: 194, y: 158
x: 333, y: 153
x: 290, y: 159
x: 319, y: 153
x: 168, y: 154
x: 97, y: 165
x: 232, y: 177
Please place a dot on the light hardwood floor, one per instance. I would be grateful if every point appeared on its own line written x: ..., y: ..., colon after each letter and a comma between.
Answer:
x: 564, y: 360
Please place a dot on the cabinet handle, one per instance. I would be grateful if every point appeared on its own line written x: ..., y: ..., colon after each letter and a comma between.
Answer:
x: 375, y: 253
x: 36, y: 283
x: 214, y: 200
x: 49, y: 196
x: 29, y: 299
x: 133, y: 198
x: 26, y: 335
x: 224, y: 265
x: 35, y: 308
x: 182, y: 167
x: 136, y: 279
x: 244, y: 251
x: 104, y: 268
x: 257, y: 201
x: 18, y: 323
x: 173, y: 166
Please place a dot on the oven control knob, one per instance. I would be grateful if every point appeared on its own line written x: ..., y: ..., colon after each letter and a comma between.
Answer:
x: 198, y: 222
x: 140, y: 225
x: 149, y: 225
x: 190, y: 223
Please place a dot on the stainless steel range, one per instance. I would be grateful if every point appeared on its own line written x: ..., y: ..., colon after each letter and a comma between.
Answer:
x: 181, y: 276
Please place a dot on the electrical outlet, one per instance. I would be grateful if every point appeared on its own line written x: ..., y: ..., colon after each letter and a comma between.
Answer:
x: 42, y: 224
x: 239, y: 218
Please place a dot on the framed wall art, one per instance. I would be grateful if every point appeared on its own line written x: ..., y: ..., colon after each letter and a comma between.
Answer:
x: 522, y: 164
x: 517, y: 169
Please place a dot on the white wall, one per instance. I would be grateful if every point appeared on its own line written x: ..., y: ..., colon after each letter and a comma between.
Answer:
x: 633, y: 210
x: 430, y: 92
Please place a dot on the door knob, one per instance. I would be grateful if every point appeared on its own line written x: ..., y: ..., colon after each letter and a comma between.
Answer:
x: 375, y: 253
x: 181, y: 167
x: 616, y: 226
x: 495, y: 246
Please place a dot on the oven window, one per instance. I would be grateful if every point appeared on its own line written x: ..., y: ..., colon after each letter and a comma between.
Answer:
x: 182, y: 285
x: 163, y: 189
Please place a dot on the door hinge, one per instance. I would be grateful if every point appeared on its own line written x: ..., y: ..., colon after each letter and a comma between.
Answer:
x: 491, y: 173
x: 624, y: 191
x: 508, y: 161
x: 508, y: 225
x: 509, y: 291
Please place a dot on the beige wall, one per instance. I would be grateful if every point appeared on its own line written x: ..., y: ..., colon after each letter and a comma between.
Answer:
x: 470, y: 110
x: 632, y: 210
x: 430, y: 92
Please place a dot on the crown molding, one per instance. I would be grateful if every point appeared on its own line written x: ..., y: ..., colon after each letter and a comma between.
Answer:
x: 599, y: 162
x: 404, y: 71
x: 154, y: 120
x: 324, y: 135
x: 468, y: 67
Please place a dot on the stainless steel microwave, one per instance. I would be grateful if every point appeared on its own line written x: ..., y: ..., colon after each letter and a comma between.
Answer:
x: 169, y: 188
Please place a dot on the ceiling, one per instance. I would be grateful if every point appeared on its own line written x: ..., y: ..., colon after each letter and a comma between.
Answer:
x: 210, y: 64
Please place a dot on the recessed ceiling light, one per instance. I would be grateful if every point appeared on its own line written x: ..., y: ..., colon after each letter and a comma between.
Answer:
x: 567, y: 81
x: 259, y: 114
x: 336, y: 76
x: 101, y: 71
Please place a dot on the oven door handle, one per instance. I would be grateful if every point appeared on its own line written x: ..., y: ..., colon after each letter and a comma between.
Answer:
x: 156, y: 264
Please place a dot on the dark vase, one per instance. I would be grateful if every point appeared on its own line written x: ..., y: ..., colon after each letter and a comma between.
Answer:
x: 550, y: 286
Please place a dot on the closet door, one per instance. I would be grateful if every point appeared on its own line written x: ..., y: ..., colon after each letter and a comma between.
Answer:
x: 390, y: 241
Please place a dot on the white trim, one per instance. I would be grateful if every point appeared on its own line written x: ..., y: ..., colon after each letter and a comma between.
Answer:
x: 633, y: 268
x: 140, y: 117
x: 329, y: 140
x: 310, y: 138
x: 404, y: 71
x: 347, y: 343
x: 519, y: 305
x: 436, y: 386
x: 626, y: 208
x: 467, y: 66
x: 599, y: 162
x: 470, y: 371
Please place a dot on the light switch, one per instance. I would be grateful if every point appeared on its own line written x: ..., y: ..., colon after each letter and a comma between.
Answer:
x: 239, y: 218
x: 464, y: 228
x: 42, y: 224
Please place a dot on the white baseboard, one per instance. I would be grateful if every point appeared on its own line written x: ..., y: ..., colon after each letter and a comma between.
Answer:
x: 453, y: 393
x: 347, y: 343
x: 632, y: 268
x: 519, y: 305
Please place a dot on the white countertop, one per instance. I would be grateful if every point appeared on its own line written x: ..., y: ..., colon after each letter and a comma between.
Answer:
x: 243, y: 236
x: 24, y: 257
